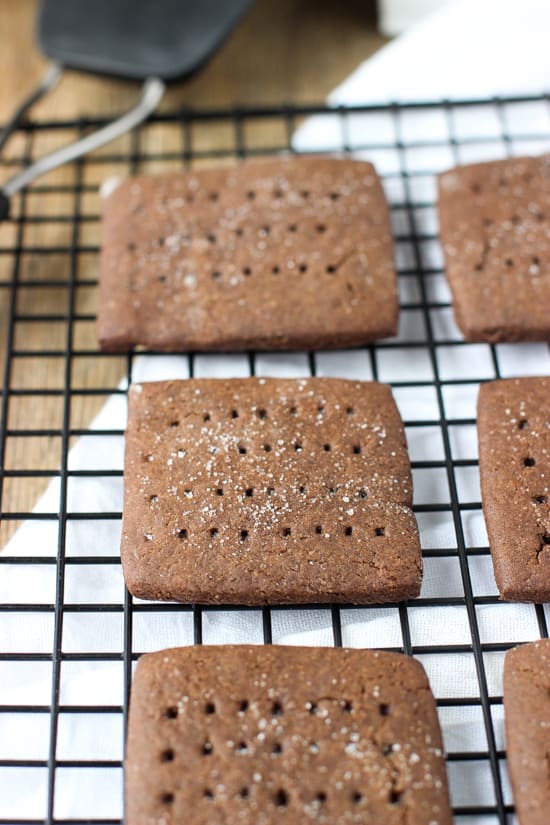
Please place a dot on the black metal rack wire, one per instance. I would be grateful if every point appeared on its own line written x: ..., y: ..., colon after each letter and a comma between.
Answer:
x: 68, y: 343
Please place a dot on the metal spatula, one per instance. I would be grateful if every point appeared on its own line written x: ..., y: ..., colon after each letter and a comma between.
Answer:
x: 148, y: 40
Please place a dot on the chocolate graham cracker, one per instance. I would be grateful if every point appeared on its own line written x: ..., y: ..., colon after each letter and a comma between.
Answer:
x: 527, y: 714
x: 514, y: 464
x: 266, y: 491
x: 285, y: 253
x: 494, y: 224
x: 262, y: 734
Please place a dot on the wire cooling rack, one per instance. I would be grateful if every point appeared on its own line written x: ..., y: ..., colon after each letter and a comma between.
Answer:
x: 69, y: 632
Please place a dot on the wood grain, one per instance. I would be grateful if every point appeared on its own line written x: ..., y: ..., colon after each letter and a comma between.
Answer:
x: 284, y: 51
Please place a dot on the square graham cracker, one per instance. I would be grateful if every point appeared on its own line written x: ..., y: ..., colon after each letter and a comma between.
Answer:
x: 284, y: 253
x: 527, y: 717
x: 260, y: 735
x: 514, y: 464
x: 495, y: 231
x: 268, y: 491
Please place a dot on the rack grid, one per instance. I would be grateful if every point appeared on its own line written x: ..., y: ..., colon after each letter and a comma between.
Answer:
x: 66, y: 656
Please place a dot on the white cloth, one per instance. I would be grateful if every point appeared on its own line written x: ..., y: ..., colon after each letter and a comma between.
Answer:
x: 396, y: 16
x: 428, y: 62
x: 470, y: 49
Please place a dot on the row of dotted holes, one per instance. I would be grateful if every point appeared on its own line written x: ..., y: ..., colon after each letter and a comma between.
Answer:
x: 281, y: 798
x: 265, y: 230
x: 251, y: 195
x: 477, y: 188
x: 214, y: 197
x: 529, y: 461
x: 516, y: 220
x: 321, y: 228
x: 168, y: 755
x: 210, y: 708
x: 535, y: 262
x: 250, y: 492
x: 262, y: 414
x: 298, y: 447
x: 278, y: 193
x: 276, y: 270
x: 242, y: 747
x: 286, y: 532
x: 276, y: 708
x: 270, y: 491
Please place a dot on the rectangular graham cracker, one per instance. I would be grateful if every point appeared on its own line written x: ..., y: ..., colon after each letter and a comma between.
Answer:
x: 514, y: 465
x: 268, y: 491
x: 260, y: 735
x: 494, y: 225
x: 527, y: 716
x: 285, y: 253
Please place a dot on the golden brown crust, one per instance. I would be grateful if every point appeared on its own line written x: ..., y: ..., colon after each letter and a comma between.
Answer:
x: 284, y: 253
x: 262, y: 734
x: 266, y: 491
x: 494, y: 230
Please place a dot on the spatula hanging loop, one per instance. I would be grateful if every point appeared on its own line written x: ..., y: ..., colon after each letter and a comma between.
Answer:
x: 152, y: 92
x: 49, y: 81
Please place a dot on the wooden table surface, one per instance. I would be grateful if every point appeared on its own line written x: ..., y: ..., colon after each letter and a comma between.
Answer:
x: 284, y: 51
